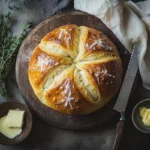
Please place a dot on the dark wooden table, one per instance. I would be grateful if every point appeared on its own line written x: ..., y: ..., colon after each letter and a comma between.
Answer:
x: 44, y: 136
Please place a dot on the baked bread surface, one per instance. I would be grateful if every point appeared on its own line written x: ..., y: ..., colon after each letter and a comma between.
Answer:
x: 75, y: 70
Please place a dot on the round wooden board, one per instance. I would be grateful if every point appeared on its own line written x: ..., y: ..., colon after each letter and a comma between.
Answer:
x: 47, y: 114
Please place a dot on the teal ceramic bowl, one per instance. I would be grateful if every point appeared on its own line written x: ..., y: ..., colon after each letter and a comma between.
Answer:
x: 137, y: 119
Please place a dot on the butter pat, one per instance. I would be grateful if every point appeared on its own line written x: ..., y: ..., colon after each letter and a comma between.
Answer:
x: 8, y: 132
x: 145, y: 114
x: 15, y: 118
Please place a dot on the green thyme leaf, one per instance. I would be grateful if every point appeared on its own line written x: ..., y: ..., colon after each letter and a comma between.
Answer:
x: 9, y: 46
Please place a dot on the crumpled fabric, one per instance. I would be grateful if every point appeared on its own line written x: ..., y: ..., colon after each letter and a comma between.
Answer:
x: 130, y: 22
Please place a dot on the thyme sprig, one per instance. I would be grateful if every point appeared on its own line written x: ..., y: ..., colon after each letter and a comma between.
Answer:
x: 9, y: 46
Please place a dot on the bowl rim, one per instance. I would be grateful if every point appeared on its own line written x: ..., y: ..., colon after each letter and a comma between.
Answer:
x: 29, y: 129
x: 133, y: 115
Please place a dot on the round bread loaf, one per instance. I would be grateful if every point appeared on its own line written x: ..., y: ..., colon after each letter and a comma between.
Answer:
x: 75, y: 70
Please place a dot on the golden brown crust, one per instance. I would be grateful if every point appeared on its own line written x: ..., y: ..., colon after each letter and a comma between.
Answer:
x: 75, y: 70
x: 62, y: 35
x: 40, y: 64
x: 97, y: 41
x: 65, y: 97
x: 106, y: 75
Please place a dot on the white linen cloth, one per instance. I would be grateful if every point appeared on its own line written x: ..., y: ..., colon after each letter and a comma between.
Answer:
x: 130, y: 22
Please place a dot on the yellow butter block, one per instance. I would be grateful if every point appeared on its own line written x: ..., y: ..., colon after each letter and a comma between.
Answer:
x: 15, y: 118
x: 8, y: 132
x: 145, y: 114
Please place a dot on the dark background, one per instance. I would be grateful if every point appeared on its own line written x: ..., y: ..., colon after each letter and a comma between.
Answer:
x: 46, y: 137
